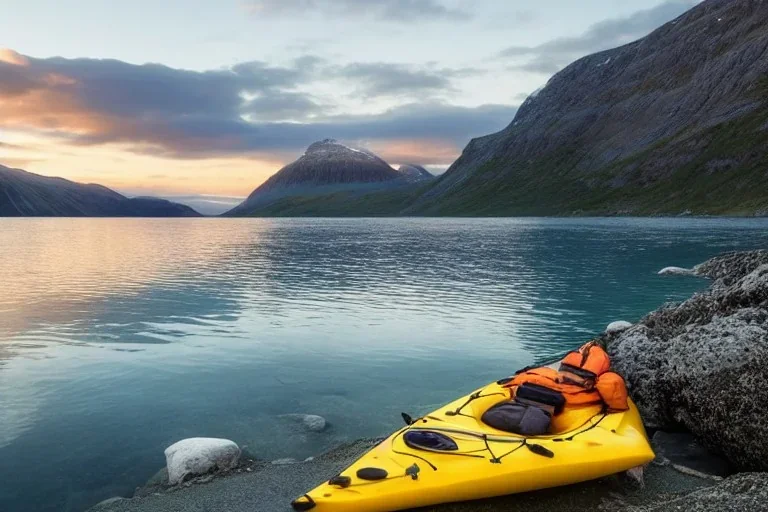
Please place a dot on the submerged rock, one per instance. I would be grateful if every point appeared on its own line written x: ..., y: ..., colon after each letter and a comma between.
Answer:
x: 311, y: 422
x: 198, y: 456
x: 701, y: 364
x: 314, y: 423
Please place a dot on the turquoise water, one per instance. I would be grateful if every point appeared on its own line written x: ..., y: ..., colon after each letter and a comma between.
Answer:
x: 119, y: 337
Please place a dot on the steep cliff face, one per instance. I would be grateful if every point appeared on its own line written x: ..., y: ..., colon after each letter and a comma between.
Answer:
x: 24, y: 194
x: 333, y: 179
x: 675, y: 121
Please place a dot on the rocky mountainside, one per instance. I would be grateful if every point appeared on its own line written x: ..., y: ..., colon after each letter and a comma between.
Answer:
x: 24, y: 194
x: 328, y: 163
x: 334, y: 179
x: 674, y: 122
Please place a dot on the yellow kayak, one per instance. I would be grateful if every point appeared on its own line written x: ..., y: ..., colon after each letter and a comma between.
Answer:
x: 586, y: 443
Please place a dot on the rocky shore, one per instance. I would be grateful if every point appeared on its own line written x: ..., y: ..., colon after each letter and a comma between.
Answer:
x: 695, y: 369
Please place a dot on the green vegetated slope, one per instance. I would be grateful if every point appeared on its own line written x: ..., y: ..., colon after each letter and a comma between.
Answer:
x: 675, y: 122
x: 379, y: 203
x: 725, y: 172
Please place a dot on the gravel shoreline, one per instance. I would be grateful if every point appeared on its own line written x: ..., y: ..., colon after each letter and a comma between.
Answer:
x: 267, y: 487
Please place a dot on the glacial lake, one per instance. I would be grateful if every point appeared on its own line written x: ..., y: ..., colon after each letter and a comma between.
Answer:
x: 119, y: 337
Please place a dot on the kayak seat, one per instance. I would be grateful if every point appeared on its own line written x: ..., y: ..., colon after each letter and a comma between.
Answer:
x: 570, y: 418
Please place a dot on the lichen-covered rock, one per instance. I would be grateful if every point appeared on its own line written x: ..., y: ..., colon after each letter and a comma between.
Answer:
x: 198, y: 456
x: 730, y: 267
x: 701, y: 364
x: 745, y: 492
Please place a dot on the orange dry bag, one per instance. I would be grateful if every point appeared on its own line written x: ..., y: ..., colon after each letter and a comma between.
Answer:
x: 584, y: 366
x: 551, y: 379
x: 613, y: 391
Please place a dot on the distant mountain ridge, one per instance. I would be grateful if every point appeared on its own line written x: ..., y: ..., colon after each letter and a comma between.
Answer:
x: 675, y: 122
x: 414, y: 172
x: 329, y: 179
x: 24, y: 194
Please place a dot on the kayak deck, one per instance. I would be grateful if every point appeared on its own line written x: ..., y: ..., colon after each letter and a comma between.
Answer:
x: 586, y: 444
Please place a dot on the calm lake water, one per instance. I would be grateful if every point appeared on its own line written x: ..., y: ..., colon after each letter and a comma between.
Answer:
x: 119, y: 337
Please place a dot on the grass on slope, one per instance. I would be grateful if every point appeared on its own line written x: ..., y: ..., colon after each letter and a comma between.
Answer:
x: 726, y: 174
x: 380, y: 203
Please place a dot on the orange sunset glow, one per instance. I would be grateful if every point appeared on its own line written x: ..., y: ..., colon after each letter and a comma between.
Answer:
x: 152, y: 129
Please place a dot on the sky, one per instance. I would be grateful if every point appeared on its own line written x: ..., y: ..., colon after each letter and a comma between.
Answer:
x: 204, y: 100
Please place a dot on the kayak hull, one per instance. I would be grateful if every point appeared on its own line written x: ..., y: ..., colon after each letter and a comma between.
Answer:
x: 488, y: 462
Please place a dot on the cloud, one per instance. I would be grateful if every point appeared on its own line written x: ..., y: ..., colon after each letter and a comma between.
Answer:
x: 424, y: 120
x: 387, y: 79
x: 96, y: 98
x: 7, y: 145
x: 553, y: 55
x: 389, y: 10
x: 19, y: 163
x: 9, y: 56
x: 543, y: 67
x: 521, y: 97
x: 249, y: 109
x: 281, y: 105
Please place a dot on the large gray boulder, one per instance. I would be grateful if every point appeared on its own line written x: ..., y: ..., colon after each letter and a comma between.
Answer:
x: 745, y: 492
x: 703, y: 364
x: 199, y: 455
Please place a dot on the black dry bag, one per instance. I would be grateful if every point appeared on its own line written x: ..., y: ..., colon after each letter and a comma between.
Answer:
x: 518, y: 418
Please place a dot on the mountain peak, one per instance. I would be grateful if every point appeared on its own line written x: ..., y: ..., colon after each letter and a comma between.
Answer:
x: 321, y: 145
x: 331, y: 148
x: 328, y: 162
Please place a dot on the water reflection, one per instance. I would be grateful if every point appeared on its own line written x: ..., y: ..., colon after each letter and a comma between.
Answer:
x: 120, y: 336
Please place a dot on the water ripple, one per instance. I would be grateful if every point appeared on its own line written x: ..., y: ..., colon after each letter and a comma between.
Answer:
x: 120, y: 336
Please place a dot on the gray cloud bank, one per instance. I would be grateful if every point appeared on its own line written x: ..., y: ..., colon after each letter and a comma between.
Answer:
x: 389, y: 10
x: 250, y: 108
x: 549, y: 57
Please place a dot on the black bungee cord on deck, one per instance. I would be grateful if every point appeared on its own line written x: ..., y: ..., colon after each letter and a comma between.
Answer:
x: 474, y: 396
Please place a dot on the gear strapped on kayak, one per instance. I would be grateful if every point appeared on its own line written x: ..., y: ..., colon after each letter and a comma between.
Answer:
x: 539, y: 428
x: 436, y: 440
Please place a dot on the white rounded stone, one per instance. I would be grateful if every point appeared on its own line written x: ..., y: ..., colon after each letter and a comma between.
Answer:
x: 676, y: 271
x: 198, y: 456
x: 617, y: 326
